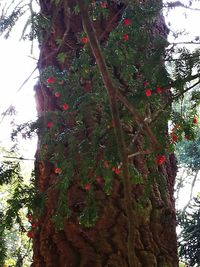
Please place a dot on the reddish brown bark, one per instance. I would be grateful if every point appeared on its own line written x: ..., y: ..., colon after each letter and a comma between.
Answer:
x: 104, y: 245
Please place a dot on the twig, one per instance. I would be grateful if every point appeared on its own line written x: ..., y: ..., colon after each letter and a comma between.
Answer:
x: 139, y: 153
x: 179, y: 4
x: 139, y: 120
x: 157, y: 113
x: 191, y: 191
x: 184, y: 58
x: 20, y: 158
x: 180, y: 184
x: 188, y: 43
x: 110, y: 22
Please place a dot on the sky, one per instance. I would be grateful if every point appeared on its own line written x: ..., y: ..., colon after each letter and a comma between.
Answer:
x: 17, y: 63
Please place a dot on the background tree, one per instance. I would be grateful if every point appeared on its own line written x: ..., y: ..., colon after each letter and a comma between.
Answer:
x: 104, y: 170
x: 189, y: 237
x: 15, y: 193
x: 188, y: 154
x: 189, y: 159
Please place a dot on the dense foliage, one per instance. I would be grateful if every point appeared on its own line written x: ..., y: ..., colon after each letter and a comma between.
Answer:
x: 190, y: 235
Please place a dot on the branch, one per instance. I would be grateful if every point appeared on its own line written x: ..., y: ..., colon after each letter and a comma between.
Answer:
x: 179, y: 4
x: 20, y: 158
x: 179, y: 184
x: 183, y: 80
x: 110, y: 22
x: 157, y: 113
x: 140, y: 121
x: 94, y: 43
x: 190, y: 43
x: 140, y: 153
x: 186, y: 90
x: 191, y: 191
x: 184, y: 58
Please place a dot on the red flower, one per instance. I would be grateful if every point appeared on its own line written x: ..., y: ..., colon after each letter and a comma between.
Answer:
x: 126, y: 37
x: 57, y: 170
x: 98, y: 179
x: 195, y: 120
x: 30, y: 234
x: 60, y: 82
x: 49, y: 124
x: 33, y: 225
x: 29, y: 217
x: 51, y: 80
x: 158, y: 90
x: 160, y: 159
x: 116, y: 170
x: 57, y: 94
x: 127, y: 22
x: 65, y: 106
x: 87, y: 186
x: 84, y: 40
x: 174, y: 137
x: 148, y: 92
x: 103, y: 4
x: 145, y: 84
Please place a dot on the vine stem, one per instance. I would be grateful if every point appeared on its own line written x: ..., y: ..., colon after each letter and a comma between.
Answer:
x: 139, y: 120
x: 129, y: 202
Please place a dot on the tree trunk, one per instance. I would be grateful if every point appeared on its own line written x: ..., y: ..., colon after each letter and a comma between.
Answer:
x: 65, y: 236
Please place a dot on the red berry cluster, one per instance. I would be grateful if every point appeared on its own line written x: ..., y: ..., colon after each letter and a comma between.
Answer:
x: 57, y: 170
x: 103, y: 4
x: 87, y: 186
x: 148, y: 92
x: 174, y: 137
x: 84, y: 40
x: 127, y: 22
x: 195, y: 121
x: 51, y: 82
x: 126, y: 37
x: 34, y: 224
x: 65, y: 106
x: 116, y: 170
x: 160, y: 159
x: 49, y: 124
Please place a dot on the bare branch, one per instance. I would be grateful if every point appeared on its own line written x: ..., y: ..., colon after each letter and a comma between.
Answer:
x: 179, y: 4
x: 18, y: 158
x: 191, y: 191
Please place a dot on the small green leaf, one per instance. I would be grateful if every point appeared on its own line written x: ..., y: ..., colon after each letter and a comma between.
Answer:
x: 61, y: 57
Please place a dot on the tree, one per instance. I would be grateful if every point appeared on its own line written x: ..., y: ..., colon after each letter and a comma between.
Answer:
x: 189, y: 237
x: 104, y: 219
x: 104, y: 172
x: 14, y: 191
x: 188, y: 154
